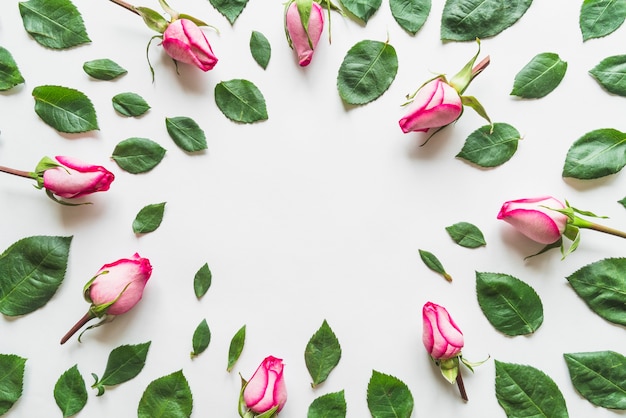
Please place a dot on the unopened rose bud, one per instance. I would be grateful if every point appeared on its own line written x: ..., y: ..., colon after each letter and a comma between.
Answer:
x: 304, y: 41
x: 435, y: 105
x: 266, y: 389
x: 441, y: 336
x: 536, y: 218
x: 73, y: 178
x: 184, y: 41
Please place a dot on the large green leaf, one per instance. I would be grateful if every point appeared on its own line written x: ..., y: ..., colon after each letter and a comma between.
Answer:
x: 124, y: 363
x: 31, y: 271
x: 540, y: 76
x: 149, y: 218
x: 10, y: 75
x: 363, y: 9
x: 186, y: 133
x: 388, y: 397
x: 322, y: 354
x: 167, y: 397
x: 611, y: 74
x: 600, y: 377
x: 241, y: 101
x: 11, y: 380
x: 490, y: 146
x: 596, y: 154
x: 53, y: 23
x: 330, y: 405
x: 70, y: 392
x: 466, y: 235
x: 231, y: 9
x: 599, y: 18
x: 138, y: 155
x: 65, y: 109
x: 410, y: 14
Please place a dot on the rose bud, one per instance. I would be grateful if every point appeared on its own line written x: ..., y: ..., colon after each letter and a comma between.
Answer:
x: 536, y: 218
x: 441, y: 336
x: 73, y: 178
x: 115, y: 289
x: 436, y: 104
x: 184, y: 41
x: 304, y: 37
x: 266, y: 389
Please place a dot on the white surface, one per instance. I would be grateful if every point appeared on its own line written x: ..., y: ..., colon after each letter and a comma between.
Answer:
x: 315, y: 214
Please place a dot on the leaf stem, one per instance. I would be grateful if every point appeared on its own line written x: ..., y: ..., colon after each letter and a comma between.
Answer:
x: 15, y: 172
x: 81, y: 322
x: 125, y: 5
x: 461, y: 385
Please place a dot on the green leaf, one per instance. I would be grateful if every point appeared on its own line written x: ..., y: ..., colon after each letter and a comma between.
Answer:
x: 236, y: 347
x: 54, y: 24
x: 611, y: 74
x: 138, y: 155
x: 410, y: 14
x: 524, y: 391
x: 602, y: 285
x: 124, y: 363
x: 130, y: 104
x: 202, y: 281
x: 466, y: 235
x: 599, y: 18
x: 11, y: 380
x: 70, y: 392
x: 433, y: 263
x: 540, y: 76
x: 231, y: 9
x: 260, y: 48
x: 65, y: 109
x: 388, y: 397
x: 466, y: 20
x: 149, y: 218
x: 600, y: 377
x: 31, y: 271
x: 186, y: 133
x: 103, y: 69
x: 240, y: 101
x: 10, y: 75
x: 623, y: 202
x: 510, y: 305
x: 167, y: 397
x: 201, y: 338
x: 322, y: 354
x: 330, y: 405
x: 153, y: 19
x: 367, y: 71
x: 596, y: 154
x: 490, y: 145
x: 363, y: 9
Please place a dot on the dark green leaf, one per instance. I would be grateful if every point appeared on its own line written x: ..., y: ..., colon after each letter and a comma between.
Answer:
x: 363, y: 9
x: 124, y: 363
x: 388, y: 397
x: 602, y: 285
x: 410, y: 14
x: 330, y: 405
x: 433, y: 263
x: 130, y: 104
x: 202, y: 281
x: 466, y: 20
x: 231, y: 9
x: 70, y: 392
x: 31, y: 271
x: 138, y: 155
x: 623, y: 202
x: 53, y: 23
x: 149, y: 218
x: 599, y: 18
x: 510, y: 305
x: 611, y: 74
x: 186, y: 133
x: 487, y: 148
x: 241, y: 101
x: 236, y: 347
x: 260, y: 48
x: 65, y: 109
x: 322, y: 354
x: 10, y: 75
x: 596, y: 154
x: 600, y: 377
x: 367, y: 71
x: 466, y: 235
x: 11, y: 380
x: 103, y: 69
x: 540, y: 76
x: 201, y: 338
x: 167, y: 397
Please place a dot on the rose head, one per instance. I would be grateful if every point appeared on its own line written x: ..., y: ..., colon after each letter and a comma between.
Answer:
x: 266, y: 388
x: 73, y: 178
x: 535, y: 218
x: 441, y: 336
x: 184, y: 41
x: 304, y: 40
x: 435, y: 105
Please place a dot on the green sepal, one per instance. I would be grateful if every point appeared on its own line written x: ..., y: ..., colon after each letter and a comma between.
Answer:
x: 471, y: 364
x: 100, y: 310
x: 166, y: 7
x: 64, y: 202
x: 44, y: 164
x: 449, y: 368
x: 105, y: 320
x: 148, y: 55
x: 243, y: 408
x: 573, y: 233
x: 304, y: 10
x: 557, y: 244
x: 153, y: 19
x: 197, y: 21
x: 473, y: 102
x: 95, y: 385
x: 464, y: 77
x: 88, y: 285
x: 410, y: 97
x: 270, y: 413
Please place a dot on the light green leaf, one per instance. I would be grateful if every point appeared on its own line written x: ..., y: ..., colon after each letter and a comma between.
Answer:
x: 410, y: 14
x: 599, y: 18
x: 330, y: 405
x: 124, y: 363
x: 490, y: 146
x: 11, y: 380
x: 201, y: 338
x: 186, y: 133
x: 367, y: 71
x: 602, y: 285
x: 149, y: 218
x: 510, y: 305
x: 611, y: 74
x: 167, y: 397
x: 466, y: 235
x: 600, y: 377
x: 153, y: 19
x: 596, y: 154
x: 241, y: 101
x: 236, y: 347
x: 322, y: 354
x: 231, y: 9
x: 31, y: 271
x: 388, y: 397
x: 363, y: 9
x: 70, y: 392
x: 433, y: 263
x: 65, y: 109
x: 138, y: 155
x: 54, y: 24
x: 260, y: 48
x: 202, y: 281
x: 130, y: 104
x: 10, y: 75
x: 540, y: 76
x: 103, y: 69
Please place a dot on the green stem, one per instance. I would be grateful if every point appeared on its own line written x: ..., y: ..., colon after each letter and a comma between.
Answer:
x: 15, y: 172
x: 461, y: 385
x: 581, y: 223
x: 125, y: 5
x: 81, y: 322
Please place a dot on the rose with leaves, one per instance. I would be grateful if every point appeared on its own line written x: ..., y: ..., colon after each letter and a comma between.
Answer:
x: 265, y: 394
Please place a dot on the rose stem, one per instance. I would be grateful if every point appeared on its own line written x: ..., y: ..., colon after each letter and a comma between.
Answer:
x: 606, y: 229
x: 461, y: 385
x: 82, y: 321
x: 15, y: 172
x: 126, y: 6
x: 480, y: 66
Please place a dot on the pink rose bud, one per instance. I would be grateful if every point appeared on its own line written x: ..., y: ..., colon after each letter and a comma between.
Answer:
x: 304, y: 40
x: 435, y: 105
x: 184, y: 41
x: 535, y: 218
x: 74, y: 178
x: 441, y: 336
x: 266, y: 388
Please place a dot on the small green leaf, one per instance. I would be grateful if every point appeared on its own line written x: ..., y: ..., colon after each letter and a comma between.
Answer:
x: 540, y: 76
x: 510, y: 305
x: 31, y: 271
x: 167, y: 397
x: 202, y: 281
x: 149, y: 218
x: 138, y: 155
x: 330, y: 405
x: 410, y: 14
x: 600, y: 377
x: 596, y: 154
x: 260, y: 49
x: 322, y: 354
x: 363, y: 9
x: 240, y: 101
x: 599, y: 18
x: 11, y: 380
x: 388, y: 396
x: 230, y: 9
x: 10, y: 75
x: 466, y: 235
x: 236, y: 347
x: 130, y: 104
x: 103, y: 69
x: 65, y: 109
x: 54, y: 24
x: 186, y: 133
x: 623, y: 202
x: 524, y: 391
x: 70, y: 392
x: 490, y: 146
x: 433, y: 263
x: 610, y: 73
x: 124, y: 363
x: 367, y: 71
x: 201, y: 338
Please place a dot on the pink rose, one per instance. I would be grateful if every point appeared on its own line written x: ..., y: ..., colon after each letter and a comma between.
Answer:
x: 535, y: 218
x: 441, y: 336
x: 75, y: 178
x: 304, y: 41
x: 266, y: 388
x: 435, y: 105
x: 184, y: 41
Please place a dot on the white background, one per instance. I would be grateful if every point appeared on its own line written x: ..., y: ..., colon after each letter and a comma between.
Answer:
x: 317, y: 213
